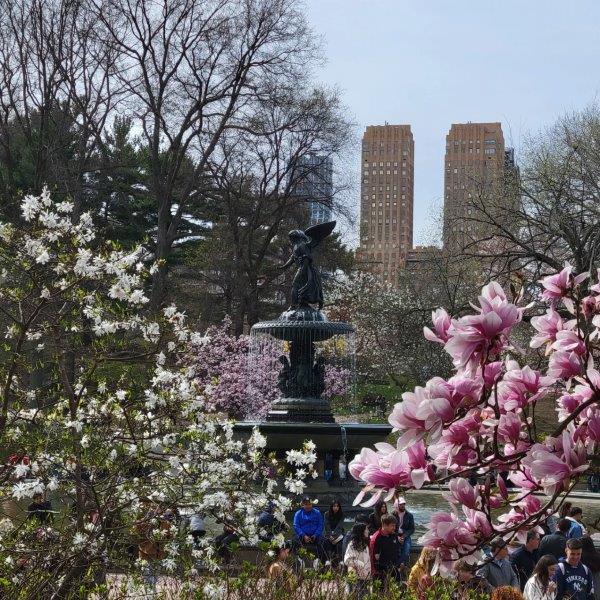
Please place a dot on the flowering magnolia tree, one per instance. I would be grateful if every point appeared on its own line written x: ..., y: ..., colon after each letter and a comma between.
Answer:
x: 482, y: 419
x: 99, y: 413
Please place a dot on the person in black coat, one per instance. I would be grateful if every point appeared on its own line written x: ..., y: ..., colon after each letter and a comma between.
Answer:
x: 405, y: 528
x: 334, y: 532
x: 555, y: 543
x: 526, y: 557
x: 379, y: 510
x: 40, y: 509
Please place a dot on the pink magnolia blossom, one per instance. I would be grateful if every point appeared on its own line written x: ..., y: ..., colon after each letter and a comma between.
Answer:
x: 547, y: 326
x: 564, y: 365
x: 441, y: 323
x: 452, y: 537
x: 477, y: 522
x: 390, y: 468
x: 569, y: 341
x: 567, y: 403
x: 461, y: 492
x: 590, y: 306
x: 510, y: 428
x: 480, y: 419
x: 520, y: 387
x: 357, y: 465
x: 475, y: 336
x: 555, y: 462
x: 492, y: 372
x: 557, y: 286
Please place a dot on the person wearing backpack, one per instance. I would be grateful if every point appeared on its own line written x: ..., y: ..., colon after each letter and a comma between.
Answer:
x: 574, y: 581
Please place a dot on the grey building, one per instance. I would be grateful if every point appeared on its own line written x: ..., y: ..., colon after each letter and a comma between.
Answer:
x: 314, y: 183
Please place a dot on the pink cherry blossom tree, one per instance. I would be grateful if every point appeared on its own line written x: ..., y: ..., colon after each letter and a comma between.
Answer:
x: 482, y: 419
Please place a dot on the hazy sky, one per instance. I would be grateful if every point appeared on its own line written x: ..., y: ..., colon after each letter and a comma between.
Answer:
x: 431, y: 63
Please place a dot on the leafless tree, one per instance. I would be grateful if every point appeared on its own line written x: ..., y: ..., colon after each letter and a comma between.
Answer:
x: 257, y: 175
x: 194, y: 69
x: 57, y: 92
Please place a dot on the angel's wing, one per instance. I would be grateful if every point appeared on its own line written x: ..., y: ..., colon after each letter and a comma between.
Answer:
x: 319, y: 232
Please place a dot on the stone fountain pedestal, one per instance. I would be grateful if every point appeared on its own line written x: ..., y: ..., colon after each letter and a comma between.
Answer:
x: 306, y: 345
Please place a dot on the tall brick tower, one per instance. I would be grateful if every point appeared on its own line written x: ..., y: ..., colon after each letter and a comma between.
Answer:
x: 387, y: 195
x: 475, y: 161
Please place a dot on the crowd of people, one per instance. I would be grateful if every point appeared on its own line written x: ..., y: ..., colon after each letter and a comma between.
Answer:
x: 559, y: 564
x: 556, y: 562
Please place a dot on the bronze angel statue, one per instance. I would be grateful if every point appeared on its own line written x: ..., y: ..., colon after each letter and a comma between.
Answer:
x: 307, y: 288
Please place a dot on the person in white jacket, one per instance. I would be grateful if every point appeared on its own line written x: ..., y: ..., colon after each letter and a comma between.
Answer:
x: 540, y: 585
x: 358, y: 561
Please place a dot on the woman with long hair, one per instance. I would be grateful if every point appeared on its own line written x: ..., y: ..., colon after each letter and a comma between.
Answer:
x: 420, y: 578
x: 334, y: 531
x: 358, y: 561
x: 590, y: 557
x: 379, y: 510
x: 540, y: 585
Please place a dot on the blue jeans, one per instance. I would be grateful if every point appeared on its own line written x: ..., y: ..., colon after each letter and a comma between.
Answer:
x: 404, y: 552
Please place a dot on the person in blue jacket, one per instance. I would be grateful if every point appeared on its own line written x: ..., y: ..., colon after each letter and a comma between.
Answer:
x: 574, y: 581
x: 577, y: 530
x: 308, y: 527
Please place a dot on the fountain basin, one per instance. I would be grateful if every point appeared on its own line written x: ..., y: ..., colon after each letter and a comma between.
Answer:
x: 335, y: 443
x: 325, y: 436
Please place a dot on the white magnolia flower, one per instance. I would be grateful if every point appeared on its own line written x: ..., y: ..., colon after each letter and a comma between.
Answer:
x: 21, y: 470
x: 29, y: 207
x: 43, y: 257
x: 137, y: 297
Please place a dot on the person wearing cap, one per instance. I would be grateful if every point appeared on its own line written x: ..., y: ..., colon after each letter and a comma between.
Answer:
x: 468, y: 582
x: 498, y: 571
x: 405, y: 527
x: 308, y: 527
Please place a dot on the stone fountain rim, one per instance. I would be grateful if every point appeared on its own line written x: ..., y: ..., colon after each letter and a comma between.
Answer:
x: 329, y: 326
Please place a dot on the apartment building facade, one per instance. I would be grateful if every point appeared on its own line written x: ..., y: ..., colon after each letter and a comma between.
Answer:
x: 387, y: 198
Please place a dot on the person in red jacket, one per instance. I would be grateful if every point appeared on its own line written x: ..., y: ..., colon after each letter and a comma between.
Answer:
x: 384, y: 549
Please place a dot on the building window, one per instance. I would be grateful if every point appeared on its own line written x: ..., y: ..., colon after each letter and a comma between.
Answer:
x: 490, y: 150
x: 489, y: 141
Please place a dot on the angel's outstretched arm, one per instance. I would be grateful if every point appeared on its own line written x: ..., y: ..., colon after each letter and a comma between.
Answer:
x: 289, y: 262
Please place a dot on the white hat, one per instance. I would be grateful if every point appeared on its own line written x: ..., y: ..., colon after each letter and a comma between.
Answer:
x: 401, y: 500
